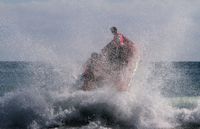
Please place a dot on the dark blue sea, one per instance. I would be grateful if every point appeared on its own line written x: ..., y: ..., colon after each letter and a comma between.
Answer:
x: 36, y: 95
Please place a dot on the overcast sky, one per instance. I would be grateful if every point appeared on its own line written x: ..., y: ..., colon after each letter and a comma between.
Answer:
x: 165, y: 30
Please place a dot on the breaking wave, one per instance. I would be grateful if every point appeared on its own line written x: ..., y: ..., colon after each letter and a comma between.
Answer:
x: 143, y: 106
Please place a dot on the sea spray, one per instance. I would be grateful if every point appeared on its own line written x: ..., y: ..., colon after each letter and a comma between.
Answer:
x: 140, y: 107
x: 47, y: 31
x: 50, y: 101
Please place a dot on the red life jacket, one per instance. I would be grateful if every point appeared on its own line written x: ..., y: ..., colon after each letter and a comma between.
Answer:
x: 119, y: 37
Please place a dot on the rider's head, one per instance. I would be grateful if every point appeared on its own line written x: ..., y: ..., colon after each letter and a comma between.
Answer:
x: 113, y: 30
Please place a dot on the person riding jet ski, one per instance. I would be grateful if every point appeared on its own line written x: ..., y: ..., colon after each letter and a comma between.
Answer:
x: 116, y: 63
x: 120, y: 50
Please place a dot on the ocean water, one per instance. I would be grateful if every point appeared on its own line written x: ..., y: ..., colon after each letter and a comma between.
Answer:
x: 37, y: 95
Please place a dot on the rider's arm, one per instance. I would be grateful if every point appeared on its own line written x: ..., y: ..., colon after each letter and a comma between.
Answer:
x: 106, y: 48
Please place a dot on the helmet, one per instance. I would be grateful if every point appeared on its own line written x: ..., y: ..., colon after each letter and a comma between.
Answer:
x: 113, y: 29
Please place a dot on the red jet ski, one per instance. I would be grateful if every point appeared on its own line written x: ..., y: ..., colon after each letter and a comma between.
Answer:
x: 115, y: 65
